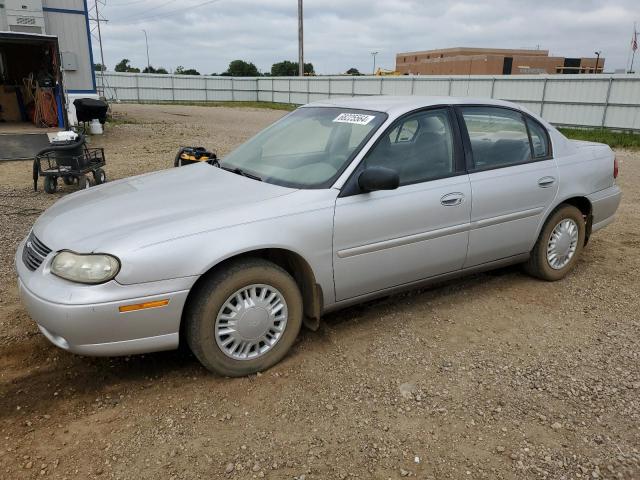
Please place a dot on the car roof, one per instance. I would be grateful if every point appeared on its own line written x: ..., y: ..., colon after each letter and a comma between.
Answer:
x: 397, y: 105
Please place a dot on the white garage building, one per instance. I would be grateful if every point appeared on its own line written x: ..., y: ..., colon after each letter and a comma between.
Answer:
x: 45, y: 54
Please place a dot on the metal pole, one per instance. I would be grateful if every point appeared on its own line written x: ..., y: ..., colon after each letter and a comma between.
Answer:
x: 633, y: 43
x: 146, y: 39
x: 300, y: 40
x: 597, y: 59
x: 100, y: 42
x: 373, y: 54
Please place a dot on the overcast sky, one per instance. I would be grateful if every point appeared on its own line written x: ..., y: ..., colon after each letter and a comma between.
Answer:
x: 340, y: 34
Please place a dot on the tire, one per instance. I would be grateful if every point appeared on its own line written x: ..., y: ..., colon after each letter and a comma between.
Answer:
x: 178, y: 161
x: 84, y: 182
x: 50, y: 184
x: 99, y: 176
x: 68, y: 179
x: 211, y: 300
x: 540, y: 265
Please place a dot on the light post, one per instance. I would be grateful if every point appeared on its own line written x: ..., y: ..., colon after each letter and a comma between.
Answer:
x: 373, y: 54
x: 597, y: 59
x: 300, y: 40
x: 146, y: 39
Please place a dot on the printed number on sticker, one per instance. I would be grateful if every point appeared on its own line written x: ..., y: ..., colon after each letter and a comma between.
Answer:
x: 355, y: 118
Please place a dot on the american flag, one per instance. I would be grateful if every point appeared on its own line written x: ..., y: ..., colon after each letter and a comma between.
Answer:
x: 634, y: 41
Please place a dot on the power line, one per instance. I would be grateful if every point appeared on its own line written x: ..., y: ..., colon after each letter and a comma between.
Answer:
x: 168, y: 13
x: 144, y: 12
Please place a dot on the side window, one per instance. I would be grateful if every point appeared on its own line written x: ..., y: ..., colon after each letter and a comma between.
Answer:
x: 539, y: 139
x: 419, y: 147
x: 498, y: 136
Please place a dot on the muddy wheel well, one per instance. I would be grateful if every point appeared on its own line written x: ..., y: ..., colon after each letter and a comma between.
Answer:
x: 584, y: 205
x: 295, y: 265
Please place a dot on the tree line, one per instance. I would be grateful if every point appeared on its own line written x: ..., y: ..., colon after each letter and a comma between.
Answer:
x: 237, y: 68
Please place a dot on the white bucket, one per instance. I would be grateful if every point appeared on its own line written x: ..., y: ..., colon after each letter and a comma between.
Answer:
x: 95, y: 127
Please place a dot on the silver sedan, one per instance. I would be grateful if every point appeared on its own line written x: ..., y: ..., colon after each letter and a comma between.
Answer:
x: 339, y: 202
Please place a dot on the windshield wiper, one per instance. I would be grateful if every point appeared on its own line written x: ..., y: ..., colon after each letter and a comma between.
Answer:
x: 239, y: 171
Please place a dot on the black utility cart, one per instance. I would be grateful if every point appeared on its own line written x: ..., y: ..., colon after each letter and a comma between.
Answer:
x: 72, y: 161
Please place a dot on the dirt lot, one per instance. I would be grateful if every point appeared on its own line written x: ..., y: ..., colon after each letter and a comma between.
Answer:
x: 494, y: 376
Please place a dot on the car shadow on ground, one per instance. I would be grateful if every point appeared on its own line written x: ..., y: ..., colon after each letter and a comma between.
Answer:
x: 50, y: 375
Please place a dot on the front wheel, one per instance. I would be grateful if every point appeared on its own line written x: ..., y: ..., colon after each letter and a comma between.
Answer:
x: 245, y: 318
x: 99, y: 176
x: 559, y: 245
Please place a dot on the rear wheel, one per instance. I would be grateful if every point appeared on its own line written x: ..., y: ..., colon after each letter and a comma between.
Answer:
x: 559, y: 245
x: 245, y: 318
x: 84, y: 182
x: 68, y: 179
x: 50, y: 184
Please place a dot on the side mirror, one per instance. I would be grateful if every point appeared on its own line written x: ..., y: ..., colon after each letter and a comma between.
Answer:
x: 378, y: 178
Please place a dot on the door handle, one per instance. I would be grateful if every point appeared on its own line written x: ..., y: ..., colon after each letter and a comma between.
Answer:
x: 546, y: 182
x: 452, y: 199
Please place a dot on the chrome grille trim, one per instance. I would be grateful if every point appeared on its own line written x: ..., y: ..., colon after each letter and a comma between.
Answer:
x: 34, y: 252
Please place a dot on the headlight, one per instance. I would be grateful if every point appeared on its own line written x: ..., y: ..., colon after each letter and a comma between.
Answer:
x: 92, y: 268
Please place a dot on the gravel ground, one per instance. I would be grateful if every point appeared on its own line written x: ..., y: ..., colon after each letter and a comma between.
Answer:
x: 494, y: 376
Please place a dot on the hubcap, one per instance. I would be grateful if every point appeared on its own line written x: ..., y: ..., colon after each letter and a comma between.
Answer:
x: 251, y: 321
x: 562, y: 244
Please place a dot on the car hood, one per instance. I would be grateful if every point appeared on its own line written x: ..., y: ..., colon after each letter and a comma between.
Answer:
x: 164, y: 204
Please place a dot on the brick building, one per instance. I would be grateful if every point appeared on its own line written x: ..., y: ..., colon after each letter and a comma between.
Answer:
x: 491, y: 61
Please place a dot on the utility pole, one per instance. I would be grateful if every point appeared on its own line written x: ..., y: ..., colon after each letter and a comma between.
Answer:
x: 373, y: 54
x: 300, y: 40
x: 597, y: 59
x: 97, y: 20
x: 146, y: 39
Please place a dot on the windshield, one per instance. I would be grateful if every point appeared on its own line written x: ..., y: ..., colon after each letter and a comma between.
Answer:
x: 308, y: 148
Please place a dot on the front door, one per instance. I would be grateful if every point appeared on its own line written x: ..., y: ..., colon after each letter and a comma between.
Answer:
x: 389, y: 238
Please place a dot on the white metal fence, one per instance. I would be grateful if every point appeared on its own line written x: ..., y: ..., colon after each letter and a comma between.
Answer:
x: 574, y: 100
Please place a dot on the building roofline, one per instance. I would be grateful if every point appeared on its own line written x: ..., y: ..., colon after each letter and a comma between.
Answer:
x: 479, y: 50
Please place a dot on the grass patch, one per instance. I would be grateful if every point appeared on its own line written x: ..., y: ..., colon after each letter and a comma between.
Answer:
x: 628, y: 140
x: 289, y: 107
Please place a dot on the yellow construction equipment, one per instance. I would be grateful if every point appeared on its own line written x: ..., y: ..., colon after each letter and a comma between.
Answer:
x: 381, y: 72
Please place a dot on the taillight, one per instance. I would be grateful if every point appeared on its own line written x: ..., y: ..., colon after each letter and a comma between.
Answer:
x: 615, y: 167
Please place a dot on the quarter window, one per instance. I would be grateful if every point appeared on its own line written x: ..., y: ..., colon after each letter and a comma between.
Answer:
x: 498, y: 137
x: 539, y: 139
x: 419, y: 147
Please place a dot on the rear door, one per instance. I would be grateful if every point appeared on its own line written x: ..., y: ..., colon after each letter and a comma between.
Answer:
x: 513, y: 178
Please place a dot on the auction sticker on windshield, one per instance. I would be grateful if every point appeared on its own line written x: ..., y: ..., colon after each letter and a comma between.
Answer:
x: 354, y: 118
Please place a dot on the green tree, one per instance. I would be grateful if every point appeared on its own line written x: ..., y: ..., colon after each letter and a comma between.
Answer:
x: 151, y: 69
x: 161, y: 70
x: 98, y: 67
x: 125, y: 66
x: 240, y: 68
x: 180, y: 70
x: 353, y: 71
x: 289, y: 69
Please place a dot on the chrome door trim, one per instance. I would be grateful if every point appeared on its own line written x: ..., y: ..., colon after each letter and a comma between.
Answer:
x: 509, y: 217
x: 401, y: 241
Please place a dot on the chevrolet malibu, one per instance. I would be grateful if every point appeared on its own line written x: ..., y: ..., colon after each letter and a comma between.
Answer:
x: 338, y: 202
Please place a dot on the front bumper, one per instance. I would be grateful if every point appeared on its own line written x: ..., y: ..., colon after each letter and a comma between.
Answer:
x: 86, y: 319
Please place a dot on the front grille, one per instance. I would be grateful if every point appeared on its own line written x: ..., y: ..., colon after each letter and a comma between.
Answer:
x: 34, y: 252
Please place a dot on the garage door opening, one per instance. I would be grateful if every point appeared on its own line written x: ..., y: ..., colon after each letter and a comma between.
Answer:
x: 32, y: 102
